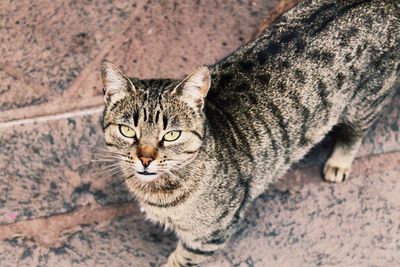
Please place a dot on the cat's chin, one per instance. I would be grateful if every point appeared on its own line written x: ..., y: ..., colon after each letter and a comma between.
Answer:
x: 147, y: 177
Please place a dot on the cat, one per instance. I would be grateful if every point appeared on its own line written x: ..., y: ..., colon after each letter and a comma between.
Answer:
x: 196, y: 152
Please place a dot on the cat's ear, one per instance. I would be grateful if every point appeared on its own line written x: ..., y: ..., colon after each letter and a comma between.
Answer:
x: 195, y: 86
x: 116, y: 84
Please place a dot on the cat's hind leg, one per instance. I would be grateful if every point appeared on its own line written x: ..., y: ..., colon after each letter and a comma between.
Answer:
x: 349, y: 134
x: 356, y: 120
x: 355, y: 123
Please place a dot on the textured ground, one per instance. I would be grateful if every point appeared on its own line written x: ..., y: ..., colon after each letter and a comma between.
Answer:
x: 58, y: 209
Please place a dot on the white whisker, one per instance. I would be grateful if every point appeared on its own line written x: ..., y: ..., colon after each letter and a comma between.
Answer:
x: 93, y: 161
x: 110, y: 172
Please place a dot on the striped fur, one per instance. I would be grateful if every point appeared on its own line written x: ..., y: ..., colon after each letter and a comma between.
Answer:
x: 324, y: 63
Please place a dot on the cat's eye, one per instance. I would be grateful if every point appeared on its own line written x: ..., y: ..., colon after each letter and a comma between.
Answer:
x: 127, y: 131
x: 172, y: 136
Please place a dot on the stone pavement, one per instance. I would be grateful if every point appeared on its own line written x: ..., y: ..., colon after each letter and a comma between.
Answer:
x: 57, y: 207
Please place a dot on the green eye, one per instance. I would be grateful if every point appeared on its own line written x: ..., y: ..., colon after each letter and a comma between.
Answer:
x: 127, y: 131
x: 172, y: 136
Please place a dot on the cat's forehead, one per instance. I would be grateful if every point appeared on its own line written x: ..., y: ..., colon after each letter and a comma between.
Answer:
x: 149, y: 104
x: 151, y: 89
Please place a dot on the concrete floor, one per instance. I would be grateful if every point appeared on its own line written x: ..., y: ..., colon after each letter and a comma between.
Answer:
x: 58, y: 209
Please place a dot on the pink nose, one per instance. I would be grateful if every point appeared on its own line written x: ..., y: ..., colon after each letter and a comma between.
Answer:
x: 146, y: 154
x: 145, y: 161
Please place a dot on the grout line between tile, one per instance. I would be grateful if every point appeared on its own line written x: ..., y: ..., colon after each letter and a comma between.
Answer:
x: 42, y: 119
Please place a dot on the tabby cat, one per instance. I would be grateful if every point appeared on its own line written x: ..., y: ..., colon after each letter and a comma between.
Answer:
x: 197, y: 151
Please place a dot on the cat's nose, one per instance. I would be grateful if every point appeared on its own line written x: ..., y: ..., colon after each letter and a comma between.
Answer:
x: 146, y: 154
x: 146, y: 161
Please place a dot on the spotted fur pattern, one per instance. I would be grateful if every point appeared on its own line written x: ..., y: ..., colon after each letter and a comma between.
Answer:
x: 323, y: 64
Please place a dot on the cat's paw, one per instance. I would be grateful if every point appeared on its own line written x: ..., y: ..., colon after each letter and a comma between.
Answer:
x: 336, y: 170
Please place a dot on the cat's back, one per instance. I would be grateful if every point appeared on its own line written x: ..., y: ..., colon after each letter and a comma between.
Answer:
x: 319, y: 51
x: 323, y: 33
x: 291, y: 84
x: 333, y: 27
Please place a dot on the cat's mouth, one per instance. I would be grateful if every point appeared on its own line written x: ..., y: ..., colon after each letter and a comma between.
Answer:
x: 146, y: 176
x: 147, y: 173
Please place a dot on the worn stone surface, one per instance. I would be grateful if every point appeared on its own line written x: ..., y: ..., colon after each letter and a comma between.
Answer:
x: 300, y: 221
x: 58, y: 45
x: 51, y: 178
x: 52, y: 41
x: 55, y: 166
x: 128, y: 241
x: 11, y: 98
x: 317, y: 224
x: 44, y: 166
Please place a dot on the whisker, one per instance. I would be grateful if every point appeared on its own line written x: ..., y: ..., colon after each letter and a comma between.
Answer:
x: 111, y: 157
x: 110, y: 172
x: 104, y: 160
x: 110, y: 166
x: 110, y: 169
x: 100, y: 148
x: 175, y: 165
x: 104, y: 152
x: 105, y: 155
x: 93, y: 161
x: 115, y: 172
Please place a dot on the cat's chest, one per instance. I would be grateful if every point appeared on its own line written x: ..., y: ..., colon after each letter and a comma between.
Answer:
x: 176, y: 218
x: 180, y: 217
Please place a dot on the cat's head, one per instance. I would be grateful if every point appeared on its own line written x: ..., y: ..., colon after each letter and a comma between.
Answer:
x: 153, y: 126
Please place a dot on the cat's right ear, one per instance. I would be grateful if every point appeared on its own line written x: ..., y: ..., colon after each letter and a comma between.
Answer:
x: 116, y: 84
x: 194, y: 88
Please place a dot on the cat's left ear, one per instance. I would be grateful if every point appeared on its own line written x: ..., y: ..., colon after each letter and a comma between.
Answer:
x: 195, y: 86
x: 116, y: 84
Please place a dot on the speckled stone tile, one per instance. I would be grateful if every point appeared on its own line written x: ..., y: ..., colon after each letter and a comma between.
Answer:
x: 170, y: 38
x: 188, y: 34
x: 129, y: 241
x: 318, y: 224
x: 51, y: 167
x: 51, y: 51
x: 52, y: 43
x: 300, y: 221
x: 12, y: 98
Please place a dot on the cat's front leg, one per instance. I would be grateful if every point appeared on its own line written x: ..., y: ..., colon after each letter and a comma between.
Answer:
x: 191, y: 254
